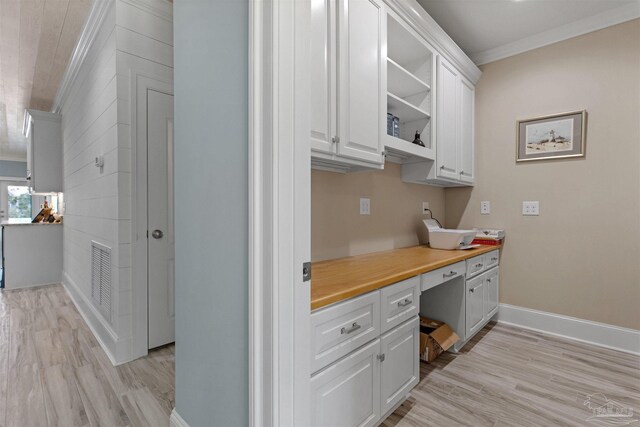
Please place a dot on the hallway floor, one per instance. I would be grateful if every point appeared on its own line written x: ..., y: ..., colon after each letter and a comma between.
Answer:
x: 54, y: 373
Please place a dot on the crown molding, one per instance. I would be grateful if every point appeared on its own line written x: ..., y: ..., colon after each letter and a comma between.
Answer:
x: 97, y: 15
x: 423, y: 23
x: 573, y: 29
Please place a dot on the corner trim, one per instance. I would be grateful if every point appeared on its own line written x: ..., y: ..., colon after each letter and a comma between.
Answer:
x: 586, y: 331
x: 97, y: 15
x: 574, y: 29
x: 175, y: 420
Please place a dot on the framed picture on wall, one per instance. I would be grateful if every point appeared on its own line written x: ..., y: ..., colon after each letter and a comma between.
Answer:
x: 558, y: 136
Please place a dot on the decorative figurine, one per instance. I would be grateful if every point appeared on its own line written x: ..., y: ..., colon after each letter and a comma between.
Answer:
x: 417, y: 140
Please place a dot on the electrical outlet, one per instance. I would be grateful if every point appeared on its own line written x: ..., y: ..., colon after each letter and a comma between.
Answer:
x: 425, y: 208
x: 531, y: 208
x: 365, y: 206
x: 485, y: 208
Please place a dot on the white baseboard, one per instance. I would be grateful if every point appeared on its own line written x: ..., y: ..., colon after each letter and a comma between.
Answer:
x: 118, y: 350
x: 600, y: 334
x: 176, y: 420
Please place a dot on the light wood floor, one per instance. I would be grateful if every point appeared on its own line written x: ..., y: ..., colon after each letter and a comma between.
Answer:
x: 54, y: 373
x: 514, y: 377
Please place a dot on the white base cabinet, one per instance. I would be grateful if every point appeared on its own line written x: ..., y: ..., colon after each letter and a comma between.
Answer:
x: 356, y: 382
x: 347, y: 393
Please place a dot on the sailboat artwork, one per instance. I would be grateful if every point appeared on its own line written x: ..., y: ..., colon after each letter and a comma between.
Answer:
x: 551, y: 136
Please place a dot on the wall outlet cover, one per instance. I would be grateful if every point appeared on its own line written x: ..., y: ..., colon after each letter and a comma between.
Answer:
x: 485, y: 208
x: 531, y: 208
x: 425, y: 208
x: 365, y: 206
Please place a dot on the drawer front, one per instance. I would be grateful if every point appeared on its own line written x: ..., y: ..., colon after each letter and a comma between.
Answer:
x: 340, y: 329
x: 434, y: 278
x: 475, y: 265
x: 491, y: 259
x: 399, y: 302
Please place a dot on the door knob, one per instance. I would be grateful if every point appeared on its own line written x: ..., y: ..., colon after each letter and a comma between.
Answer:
x: 157, y: 234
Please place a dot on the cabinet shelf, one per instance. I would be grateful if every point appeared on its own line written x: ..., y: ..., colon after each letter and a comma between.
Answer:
x: 401, y: 151
x: 402, y: 82
x: 405, y: 111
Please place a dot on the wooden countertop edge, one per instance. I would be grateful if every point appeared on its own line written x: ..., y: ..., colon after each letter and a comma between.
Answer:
x: 369, y: 286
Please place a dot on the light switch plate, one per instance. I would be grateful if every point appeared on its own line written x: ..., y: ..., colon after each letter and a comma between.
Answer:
x: 531, y: 208
x: 485, y: 208
x: 365, y: 206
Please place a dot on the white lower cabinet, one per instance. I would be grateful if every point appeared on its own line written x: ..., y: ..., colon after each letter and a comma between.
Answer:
x: 400, y: 364
x: 474, y: 305
x: 492, y: 282
x: 347, y: 393
x: 376, y: 370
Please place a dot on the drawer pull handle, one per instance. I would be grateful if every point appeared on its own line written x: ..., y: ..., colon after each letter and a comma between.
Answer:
x: 405, y: 303
x: 472, y: 290
x: 488, y: 280
x: 478, y: 265
x: 381, y: 357
x: 494, y: 259
x: 451, y: 274
x: 353, y: 328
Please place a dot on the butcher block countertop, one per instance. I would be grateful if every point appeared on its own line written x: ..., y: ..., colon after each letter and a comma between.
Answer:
x: 340, y: 279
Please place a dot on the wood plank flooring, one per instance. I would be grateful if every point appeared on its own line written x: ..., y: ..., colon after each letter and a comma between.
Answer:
x: 54, y: 373
x: 514, y: 377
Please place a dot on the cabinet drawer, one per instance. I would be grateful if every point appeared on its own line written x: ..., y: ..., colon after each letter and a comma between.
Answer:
x: 475, y: 265
x: 434, y: 278
x: 491, y: 259
x: 340, y: 329
x: 400, y: 302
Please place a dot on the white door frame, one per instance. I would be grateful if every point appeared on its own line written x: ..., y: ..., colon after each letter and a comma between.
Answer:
x: 279, y: 213
x: 139, y: 85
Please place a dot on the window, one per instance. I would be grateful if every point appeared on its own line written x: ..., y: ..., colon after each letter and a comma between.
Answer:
x: 19, y: 202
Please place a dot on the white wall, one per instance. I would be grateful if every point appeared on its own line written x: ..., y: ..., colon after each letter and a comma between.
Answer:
x: 211, y: 187
x: 96, y: 120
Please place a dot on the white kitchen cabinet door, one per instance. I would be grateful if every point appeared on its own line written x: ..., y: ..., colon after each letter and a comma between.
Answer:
x: 400, y: 366
x: 465, y: 143
x: 347, y: 393
x: 474, y: 305
x: 323, y: 76
x: 361, y: 104
x: 492, y: 282
x: 448, y: 117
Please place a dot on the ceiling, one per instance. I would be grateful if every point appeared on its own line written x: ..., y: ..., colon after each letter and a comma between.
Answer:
x: 489, y: 29
x: 37, y: 38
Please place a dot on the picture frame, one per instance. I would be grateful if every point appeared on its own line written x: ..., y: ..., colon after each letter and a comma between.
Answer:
x: 557, y: 136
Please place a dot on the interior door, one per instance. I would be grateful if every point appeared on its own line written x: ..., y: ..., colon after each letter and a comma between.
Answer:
x: 161, y: 243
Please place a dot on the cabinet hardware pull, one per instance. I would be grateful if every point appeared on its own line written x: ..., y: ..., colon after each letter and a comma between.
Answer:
x: 461, y: 172
x: 451, y: 274
x: 472, y: 290
x: 381, y: 357
x: 404, y: 303
x: 354, y: 327
x: 479, y: 265
x: 335, y: 139
x: 488, y: 280
x: 494, y: 259
x: 442, y: 167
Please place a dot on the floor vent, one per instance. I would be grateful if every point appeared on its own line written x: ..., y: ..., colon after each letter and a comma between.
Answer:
x: 101, y: 278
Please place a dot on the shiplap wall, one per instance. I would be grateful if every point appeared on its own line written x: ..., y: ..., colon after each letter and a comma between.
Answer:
x: 97, y: 119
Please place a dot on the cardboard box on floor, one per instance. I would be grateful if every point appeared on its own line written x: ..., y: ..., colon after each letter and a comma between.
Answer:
x: 435, y: 337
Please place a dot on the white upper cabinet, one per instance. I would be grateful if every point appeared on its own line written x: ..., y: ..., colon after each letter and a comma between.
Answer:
x: 44, y: 151
x: 348, y: 38
x: 466, y: 143
x: 448, y: 117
